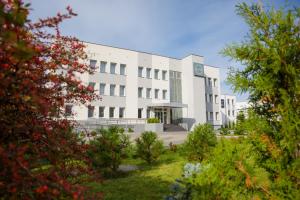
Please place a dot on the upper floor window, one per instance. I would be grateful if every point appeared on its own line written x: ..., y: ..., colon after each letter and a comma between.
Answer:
x: 156, y: 93
x: 164, y: 94
x: 140, y: 92
x: 91, y: 111
x: 222, y: 103
x: 233, y: 113
x: 113, y: 68
x: 111, y: 112
x: 122, y: 91
x: 140, y: 72
x: 140, y: 112
x: 210, y: 98
x: 209, y: 81
x: 228, y: 102
x: 216, y: 99
x: 164, y: 75
x: 215, y: 82
x: 92, y: 85
x: 102, y: 88
x: 228, y: 112
x: 101, y: 111
x: 93, y: 64
x: 121, y: 112
x: 232, y: 102
x: 112, y: 90
x: 122, y: 69
x: 148, y: 73
x: 148, y: 93
x: 68, y: 110
x: 156, y: 71
x: 103, y: 66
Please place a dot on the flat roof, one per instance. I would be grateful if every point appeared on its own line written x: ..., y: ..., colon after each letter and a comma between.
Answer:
x: 140, y: 51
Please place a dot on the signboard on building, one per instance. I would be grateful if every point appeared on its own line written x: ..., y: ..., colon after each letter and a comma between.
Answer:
x: 198, y: 69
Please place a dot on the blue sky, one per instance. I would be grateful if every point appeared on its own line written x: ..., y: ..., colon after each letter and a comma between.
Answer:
x: 173, y: 28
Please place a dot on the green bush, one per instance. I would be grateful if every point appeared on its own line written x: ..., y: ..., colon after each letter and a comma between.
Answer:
x: 153, y: 120
x: 224, y: 131
x: 149, y: 148
x: 108, y: 148
x: 200, y: 142
x: 130, y: 130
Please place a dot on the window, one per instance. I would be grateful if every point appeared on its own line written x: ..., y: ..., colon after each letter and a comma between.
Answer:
x: 148, y: 113
x: 101, y: 111
x: 205, y: 97
x: 111, y: 112
x: 217, y: 115
x: 211, y: 116
x: 122, y: 69
x: 148, y: 93
x: 209, y: 81
x: 122, y: 91
x: 92, y: 85
x: 205, y: 81
x: 156, y: 73
x: 91, y: 111
x: 215, y: 82
x: 207, y: 116
x: 121, y: 112
x: 232, y: 102
x: 148, y: 73
x: 140, y: 92
x: 164, y: 75
x: 140, y: 112
x: 228, y: 112
x: 164, y: 94
x: 103, y: 67
x: 102, y: 88
x: 113, y: 68
x: 68, y: 110
x: 140, y: 72
x: 156, y: 93
x: 222, y: 103
x: 210, y: 98
x: 216, y: 99
x: 93, y: 64
x: 233, y: 113
x: 112, y: 90
x: 228, y: 102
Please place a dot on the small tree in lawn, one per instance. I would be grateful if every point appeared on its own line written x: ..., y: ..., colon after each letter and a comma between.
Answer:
x: 40, y: 157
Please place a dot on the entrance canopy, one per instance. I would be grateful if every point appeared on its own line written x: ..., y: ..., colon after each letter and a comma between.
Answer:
x: 168, y: 105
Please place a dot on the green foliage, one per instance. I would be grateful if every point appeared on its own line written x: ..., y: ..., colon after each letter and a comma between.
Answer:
x: 200, y: 142
x: 149, y: 148
x: 153, y: 120
x: 108, y: 148
x: 224, y: 131
x: 130, y: 130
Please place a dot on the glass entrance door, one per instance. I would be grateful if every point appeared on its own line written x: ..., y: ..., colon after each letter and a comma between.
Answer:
x: 161, y: 114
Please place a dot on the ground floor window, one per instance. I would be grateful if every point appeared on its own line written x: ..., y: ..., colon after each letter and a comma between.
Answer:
x: 91, y: 111
x: 111, y: 112
x: 140, y: 111
x: 101, y: 111
x: 121, y: 112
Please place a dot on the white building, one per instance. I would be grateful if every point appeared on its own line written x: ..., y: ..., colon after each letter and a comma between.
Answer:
x: 139, y: 85
x: 242, y: 106
x: 228, y: 109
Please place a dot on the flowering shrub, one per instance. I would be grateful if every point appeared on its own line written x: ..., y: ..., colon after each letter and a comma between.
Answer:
x: 37, y: 78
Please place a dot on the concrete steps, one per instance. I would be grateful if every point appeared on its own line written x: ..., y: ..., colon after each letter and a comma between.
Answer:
x: 172, y: 128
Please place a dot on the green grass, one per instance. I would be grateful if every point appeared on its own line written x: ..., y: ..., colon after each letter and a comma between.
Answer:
x: 149, y: 182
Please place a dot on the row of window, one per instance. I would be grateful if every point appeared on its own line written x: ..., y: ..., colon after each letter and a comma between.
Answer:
x: 148, y: 73
x: 112, y: 89
x: 112, y: 67
x: 228, y: 102
x: 209, y: 98
x: 231, y: 112
x: 210, y: 116
x: 148, y: 93
x: 211, y: 82
x: 111, y: 111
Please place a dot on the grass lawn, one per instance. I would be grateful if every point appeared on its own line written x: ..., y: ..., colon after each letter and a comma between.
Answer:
x: 149, y: 182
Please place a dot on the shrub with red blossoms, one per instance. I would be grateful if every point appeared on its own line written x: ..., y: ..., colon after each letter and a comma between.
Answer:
x: 40, y: 156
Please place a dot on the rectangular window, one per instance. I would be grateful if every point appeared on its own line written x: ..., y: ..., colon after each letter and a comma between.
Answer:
x: 156, y: 93
x: 215, y: 82
x: 140, y: 92
x: 122, y: 69
x: 101, y: 111
x: 216, y: 99
x: 121, y: 112
x: 103, y: 66
x: 217, y: 115
x: 91, y: 111
x: 233, y: 113
x: 209, y: 81
x: 113, y: 68
x: 228, y: 102
x: 164, y: 75
x: 228, y: 112
x: 232, y: 102
x: 122, y: 91
x: 148, y: 113
x: 211, y: 116
x: 111, y: 112
x: 206, y: 98
x: 93, y: 64
x: 92, y: 85
x: 164, y: 94
x: 148, y: 93
x: 140, y: 72
x: 102, y: 88
x: 222, y: 103
x: 140, y: 112
x: 210, y: 98
x: 68, y: 110
x: 156, y: 73
x: 148, y: 73
x: 112, y: 90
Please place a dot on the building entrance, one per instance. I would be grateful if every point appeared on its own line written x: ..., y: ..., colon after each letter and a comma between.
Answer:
x: 161, y: 114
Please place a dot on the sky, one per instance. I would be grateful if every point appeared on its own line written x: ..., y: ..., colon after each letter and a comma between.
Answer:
x: 174, y: 28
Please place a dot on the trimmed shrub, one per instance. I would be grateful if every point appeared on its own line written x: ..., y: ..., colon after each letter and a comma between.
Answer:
x: 149, y: 148
x: 108, y: 148
x: 200, y: 142
x: 153, y: 120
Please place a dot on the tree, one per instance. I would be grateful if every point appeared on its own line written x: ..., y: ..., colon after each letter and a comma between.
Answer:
x: 40, y: 156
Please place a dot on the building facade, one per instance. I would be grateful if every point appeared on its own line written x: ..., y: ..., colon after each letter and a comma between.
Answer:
x: 139, y: 85
x: 228, y: 109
